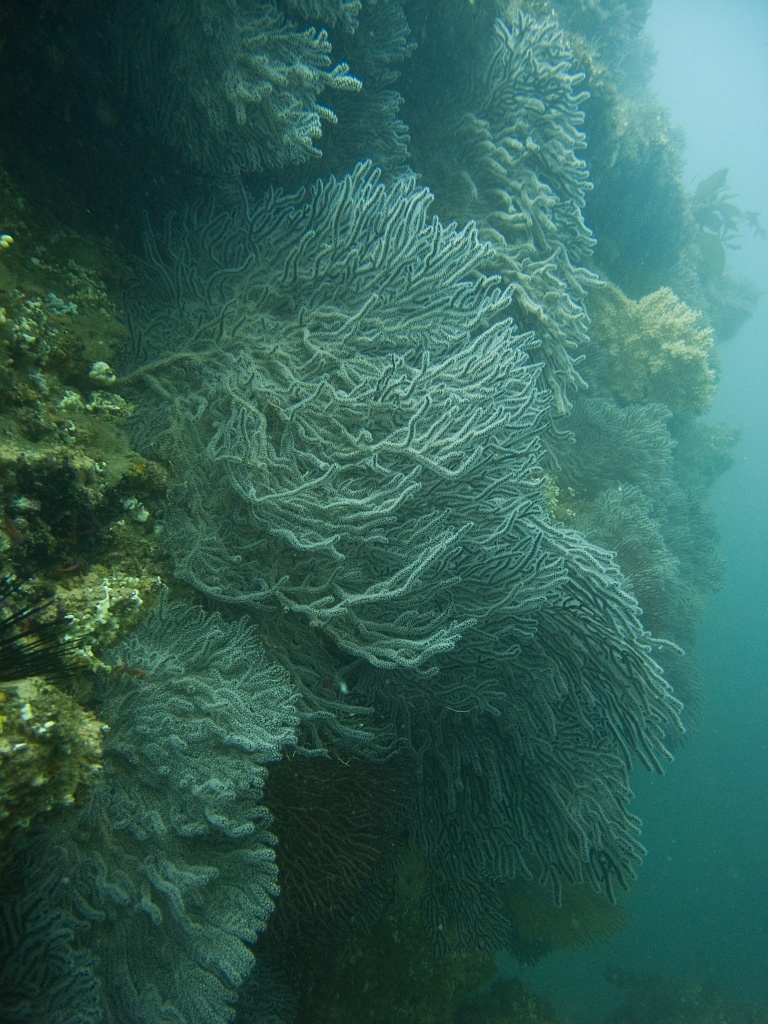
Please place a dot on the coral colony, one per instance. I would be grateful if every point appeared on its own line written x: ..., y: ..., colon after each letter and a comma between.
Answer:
x: 422, y: 470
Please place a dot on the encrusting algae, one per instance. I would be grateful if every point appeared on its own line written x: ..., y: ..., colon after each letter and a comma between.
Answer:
x: 78, y: 549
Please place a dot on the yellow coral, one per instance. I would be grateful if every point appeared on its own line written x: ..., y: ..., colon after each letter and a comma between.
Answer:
x: 659, y: 351
x: 50, y: 749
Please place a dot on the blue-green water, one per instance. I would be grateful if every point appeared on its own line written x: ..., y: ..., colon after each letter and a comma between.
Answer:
x: 395, y: 667
x: 708, y: 895
x: 701, y: 907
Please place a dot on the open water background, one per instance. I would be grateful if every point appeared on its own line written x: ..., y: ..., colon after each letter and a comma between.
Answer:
x: 700, y: 910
